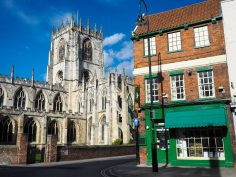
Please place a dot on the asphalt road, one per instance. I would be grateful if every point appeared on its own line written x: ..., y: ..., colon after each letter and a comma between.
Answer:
x: 96, y: 168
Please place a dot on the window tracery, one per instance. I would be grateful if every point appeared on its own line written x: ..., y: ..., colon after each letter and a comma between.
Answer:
x: 6, y: 131
x: 87, y: 50
x: 71, y: 134
x: 57, y: 105
x: 31, y: 129
x: 19, y: 101
x: 61, y: 50
x: 53, y: 129
x: 40, y: 101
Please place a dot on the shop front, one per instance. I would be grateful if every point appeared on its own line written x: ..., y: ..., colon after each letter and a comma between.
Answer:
x: 199, y: 135
x: 195, y: 135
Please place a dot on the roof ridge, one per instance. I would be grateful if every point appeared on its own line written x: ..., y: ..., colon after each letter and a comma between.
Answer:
x: 205, y: 1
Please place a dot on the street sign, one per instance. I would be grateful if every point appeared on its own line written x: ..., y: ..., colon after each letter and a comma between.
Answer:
x: 135, y: 122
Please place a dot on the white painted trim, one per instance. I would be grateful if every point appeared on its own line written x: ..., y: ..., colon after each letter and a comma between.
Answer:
x: 183, y: 64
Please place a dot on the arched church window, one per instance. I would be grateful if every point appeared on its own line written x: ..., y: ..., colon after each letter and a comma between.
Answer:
x: 103, y: 121
x: 104, y: 101
x: 90, y: 128
x: 40, y: 101
x: 71, y: 131
x: 91, y: 102
x: 61, y: 50
x: 80, y: 107
x: 19, y: 100
x: 1, y: 97
x: 30, y: 128
x: 57, y: 105
x: 86, y: 76
x: 53, y: 129
x: 6, y: 130
x: 120, y: 133
x: 87, y: 50
x: 59, y: 77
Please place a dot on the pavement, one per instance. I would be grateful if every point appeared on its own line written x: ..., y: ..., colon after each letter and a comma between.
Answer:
x: 131, y: 169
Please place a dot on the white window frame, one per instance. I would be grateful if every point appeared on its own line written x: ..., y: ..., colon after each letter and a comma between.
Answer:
x: 201, y: 37
x: 174, y: 42
x: 196, y: 149
x: 202, y: 92
x: 174, y: 88
x: 154, y: 90
x: 152, y: 46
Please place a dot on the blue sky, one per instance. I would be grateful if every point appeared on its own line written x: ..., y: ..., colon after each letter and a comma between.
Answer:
x: 25, y: 29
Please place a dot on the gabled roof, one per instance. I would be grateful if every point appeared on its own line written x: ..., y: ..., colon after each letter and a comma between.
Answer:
x: 177, y: 17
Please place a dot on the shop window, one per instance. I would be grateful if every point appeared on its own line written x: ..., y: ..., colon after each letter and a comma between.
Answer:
x: 174, y: 42
x: 152, y: 42
x: 201, y: 37
x: 40, y: 101
x: 200, y: 143
x: 1, y: 97
x: 177, y: 87
x: 154, y: 90
x: 206, y: 84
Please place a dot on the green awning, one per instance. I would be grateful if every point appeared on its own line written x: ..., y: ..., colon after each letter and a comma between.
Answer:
x: 196, y: 116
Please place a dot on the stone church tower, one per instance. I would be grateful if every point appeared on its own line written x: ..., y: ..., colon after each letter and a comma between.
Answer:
x: 78, y: 103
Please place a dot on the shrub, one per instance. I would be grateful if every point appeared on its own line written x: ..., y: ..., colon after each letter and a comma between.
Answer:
x: 131, y: 141
x: 118, y: 141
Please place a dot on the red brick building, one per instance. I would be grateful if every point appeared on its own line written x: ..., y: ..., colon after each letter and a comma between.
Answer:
x: 191, y: 94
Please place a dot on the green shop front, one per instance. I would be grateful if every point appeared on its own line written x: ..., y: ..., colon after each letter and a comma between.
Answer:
x: 190, y: 135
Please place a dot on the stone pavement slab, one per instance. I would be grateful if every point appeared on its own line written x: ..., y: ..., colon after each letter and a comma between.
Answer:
x: 131, y: 169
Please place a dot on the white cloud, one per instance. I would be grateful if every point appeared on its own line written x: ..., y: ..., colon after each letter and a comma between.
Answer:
x: 27, y: 18
x: 120, y: 59
x: 126, y: 52
x: 111, y: 40
x: 108, y: 57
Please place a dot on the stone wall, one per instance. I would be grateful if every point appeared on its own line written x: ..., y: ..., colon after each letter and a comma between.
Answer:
x: 87, y: 152
x: 8, y: 154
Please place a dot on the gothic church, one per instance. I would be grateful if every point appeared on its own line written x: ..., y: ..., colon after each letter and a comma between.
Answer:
x: 78, y: 103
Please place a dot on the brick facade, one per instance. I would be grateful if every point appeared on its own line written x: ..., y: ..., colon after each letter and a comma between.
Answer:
x: 51, y: 149
x: 189, y: 59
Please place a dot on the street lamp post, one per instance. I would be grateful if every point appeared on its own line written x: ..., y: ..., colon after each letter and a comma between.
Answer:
x: 141, y: 21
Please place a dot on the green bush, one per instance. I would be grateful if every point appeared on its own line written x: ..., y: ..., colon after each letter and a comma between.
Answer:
x: 118, y: 142
x: 131, y: 141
